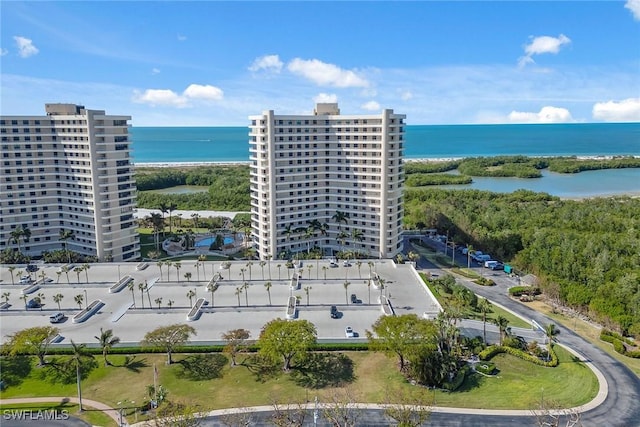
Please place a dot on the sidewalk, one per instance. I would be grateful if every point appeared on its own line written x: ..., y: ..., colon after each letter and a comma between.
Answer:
x: 111, y: 412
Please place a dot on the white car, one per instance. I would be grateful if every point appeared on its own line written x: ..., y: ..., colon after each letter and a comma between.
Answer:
x: 348, y: 332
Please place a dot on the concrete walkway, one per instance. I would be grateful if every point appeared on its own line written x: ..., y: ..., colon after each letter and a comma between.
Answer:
x: 111, y: 412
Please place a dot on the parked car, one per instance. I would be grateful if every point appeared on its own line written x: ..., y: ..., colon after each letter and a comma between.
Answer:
x: 32, y: 268
x: 346, y: 263
x: 354, y: 299
x: 34, y: 303
x: 334, y: 312
x: 56, y: 317
x: 25, y: 280
x: 348, y: 332
x: 498, y: 266
x: 333, y: 262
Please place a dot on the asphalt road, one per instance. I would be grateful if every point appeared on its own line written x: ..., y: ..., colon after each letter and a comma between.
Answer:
x: 621, y: 407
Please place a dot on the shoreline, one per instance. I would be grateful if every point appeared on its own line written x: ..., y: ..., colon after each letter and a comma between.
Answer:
x: 407, y: 160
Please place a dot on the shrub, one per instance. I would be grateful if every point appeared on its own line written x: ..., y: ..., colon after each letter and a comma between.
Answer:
x: 487, y: 368
x: 517, y: 291
x: 457, y: 381
x: 490, y: 352
x: 619, y: 347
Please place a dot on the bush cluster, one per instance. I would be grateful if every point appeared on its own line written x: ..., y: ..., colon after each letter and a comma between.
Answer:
x: 491, y: 351
x: 618, y: 342
x: 518, y: 291
x: 457, y: 381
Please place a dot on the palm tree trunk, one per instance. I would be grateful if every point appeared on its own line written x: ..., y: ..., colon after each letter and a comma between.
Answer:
x: 78, y: 381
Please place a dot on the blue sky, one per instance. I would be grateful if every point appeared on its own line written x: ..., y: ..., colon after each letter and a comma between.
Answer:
x: 213, y: 63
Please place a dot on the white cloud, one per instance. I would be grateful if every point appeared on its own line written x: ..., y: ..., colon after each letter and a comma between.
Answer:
x: 634, y: 7
x: 3, y: 52
x: 25, y: 47
x: 370, y: 106
x: 205, y: 92
x: 324, y: 74
x: 155, y: 97
x: 325, y: 98
x: 181, y: 37
x: 155, y: 71
x: 267, y: 62
x: 540, y: 45
x: 167, y: 97
x: 545, y: 115
x: 627, y: 110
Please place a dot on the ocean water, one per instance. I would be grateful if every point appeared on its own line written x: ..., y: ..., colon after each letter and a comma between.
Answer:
x: 230, y: 144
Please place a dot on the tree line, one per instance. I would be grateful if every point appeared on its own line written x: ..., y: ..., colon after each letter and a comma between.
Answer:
x: 584, y: 252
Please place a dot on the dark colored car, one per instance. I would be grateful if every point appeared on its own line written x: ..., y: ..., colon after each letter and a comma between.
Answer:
x: 33, y: 303
x: 334, y: 312
x: 32, y: 268
x: 354, y: 299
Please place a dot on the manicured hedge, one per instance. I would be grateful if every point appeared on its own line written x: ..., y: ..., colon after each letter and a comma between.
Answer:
x: 491, y: 351
x: 483, y: 281
x: 458, y: 379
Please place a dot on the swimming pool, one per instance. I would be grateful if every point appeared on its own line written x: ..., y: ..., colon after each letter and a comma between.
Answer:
x: 206, y: 242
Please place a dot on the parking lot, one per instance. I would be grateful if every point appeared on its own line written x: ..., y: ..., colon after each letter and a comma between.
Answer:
x: 235, y: 305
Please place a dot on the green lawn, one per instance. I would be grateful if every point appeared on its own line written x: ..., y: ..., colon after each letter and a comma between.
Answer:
x: 518, y: 386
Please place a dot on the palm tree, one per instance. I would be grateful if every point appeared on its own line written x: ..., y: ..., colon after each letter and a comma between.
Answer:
x: 65, y: 235
x: 212, y: 287
x: 190, y: 295
x: 106, y: 340
x: 141, y: 289
x: 57, y: 298
x: 268, y: 288
x: 132, y: 287
x: 59, y: 273
x: 158, y: 301
x: 550, y: 330
x: 78, y: 270
x: 370, y: 265
x: 169, y: 264
x: 339, y: 218
x: 66, y: 270
x: 484, y: 305
x: 346, y: 288
x: 195, y: 217
x: 245, y: 287
x: 262, y: 264
x: 356, y: 236
x: 238, y: 292
x: 187, y: 276
x: 163, y: 208
x: 309, y: 267
x: 79, y: 299
x: 197, y: 266
x: 503, y: 324
x: 171, y: 207
x: 249, y: 264
x: 86, y: 268
x: 324, y: 270
x: 78, y: 354
x: 11, y: 270
x: 146, y: 289
x: 24, y: 298
x: 242, y: 271
x: 279, y: 267
x: 20, y: 233
x: 160, y: 264
x: 156, y: 221
x: 306, y: 291
x: 170, y: 303
x: 5, y: 296
x: 177, y: 265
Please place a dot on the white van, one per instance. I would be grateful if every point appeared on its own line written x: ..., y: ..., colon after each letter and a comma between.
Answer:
x: 490, y: 264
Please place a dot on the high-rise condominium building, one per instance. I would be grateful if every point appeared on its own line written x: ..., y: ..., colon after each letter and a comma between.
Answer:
x: 69, y: 170
x: 327, y: 181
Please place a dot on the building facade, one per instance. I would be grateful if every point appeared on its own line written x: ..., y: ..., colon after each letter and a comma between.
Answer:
x: 327, y: 181
x: 69, y: 170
